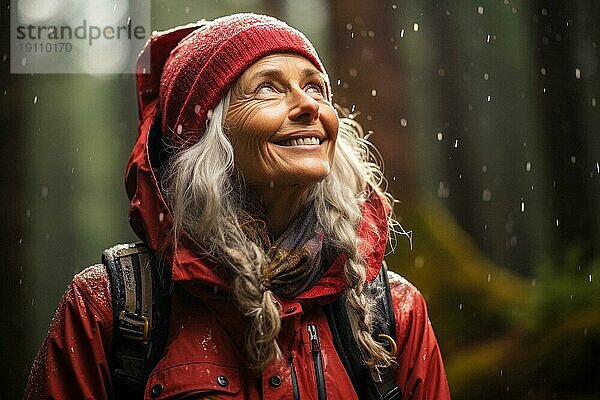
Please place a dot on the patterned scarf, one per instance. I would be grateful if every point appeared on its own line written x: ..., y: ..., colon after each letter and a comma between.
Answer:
x: 298, y: 258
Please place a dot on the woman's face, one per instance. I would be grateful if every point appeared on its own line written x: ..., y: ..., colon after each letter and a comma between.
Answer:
x: 281, y: 125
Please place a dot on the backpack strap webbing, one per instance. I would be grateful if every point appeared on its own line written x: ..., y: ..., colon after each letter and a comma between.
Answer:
x: 381, y: 386
x: 140, y: 302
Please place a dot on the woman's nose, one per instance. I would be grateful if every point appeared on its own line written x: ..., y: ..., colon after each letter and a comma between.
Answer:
x: 305, y: 108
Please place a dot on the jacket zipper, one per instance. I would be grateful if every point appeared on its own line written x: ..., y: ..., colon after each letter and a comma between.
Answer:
x: 295, y: 389
x: 313, y: 334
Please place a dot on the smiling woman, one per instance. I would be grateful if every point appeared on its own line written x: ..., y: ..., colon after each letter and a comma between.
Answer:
x: 264, y: 224
x: 283, y: 129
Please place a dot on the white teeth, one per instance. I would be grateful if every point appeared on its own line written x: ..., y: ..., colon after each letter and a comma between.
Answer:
x: 300, y: 141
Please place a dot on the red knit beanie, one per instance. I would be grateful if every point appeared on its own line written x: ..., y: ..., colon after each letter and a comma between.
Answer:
x: 204, y: 64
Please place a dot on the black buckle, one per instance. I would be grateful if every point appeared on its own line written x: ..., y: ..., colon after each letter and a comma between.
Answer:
x: 134, y: 326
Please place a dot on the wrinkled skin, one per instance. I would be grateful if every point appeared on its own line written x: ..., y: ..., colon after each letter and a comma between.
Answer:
x: 278, y: 98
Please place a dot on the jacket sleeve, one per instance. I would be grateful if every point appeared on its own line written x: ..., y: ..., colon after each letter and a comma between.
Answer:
x: 72, y: 361
x: 420, y: 372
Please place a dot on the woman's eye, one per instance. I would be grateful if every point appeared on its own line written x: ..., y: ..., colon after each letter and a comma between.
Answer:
x: 314, y: 88
x: 265, y: 88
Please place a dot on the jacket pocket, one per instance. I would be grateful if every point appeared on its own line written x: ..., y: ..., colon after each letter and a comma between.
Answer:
x: 198, y: 380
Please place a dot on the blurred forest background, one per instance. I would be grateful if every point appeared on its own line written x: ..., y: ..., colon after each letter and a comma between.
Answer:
x: 486, y: 115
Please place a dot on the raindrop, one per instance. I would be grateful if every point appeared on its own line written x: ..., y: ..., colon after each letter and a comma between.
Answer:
x: 486, y: 76
x: 585, y: 331
x: 28, y: 213
x: 416, y: 27
x: 598, y: 168
x: 556, y: 221
x: 593, y: 100
x: 486, y: 195
x: 44, y: 192
x: 460, y: 306
x: 543, y: 90
x: 533, y: 282
x: 488, y: 38
x: 371, y: 34
x: 272, y: 184
x: 590, y: 277
x: 179, y: 129
x: 489, y: 98
x: 440, y: 136
x: 443, y: 191
x: 419, y: 261
x: 573, y: 159
x: 480, y: 10
x: 352, y: 35
x: 528, y: 166
x: 197, y: 108
x: 339, y: 82
x: 402, y: 33
x: 403, y: 122
x: 209, y: 114
x: 470, y: 107
x: 543, y: 71
x: 502, y: 372
x: 489, y: 279
x: 456, y: 143
x: 484, y: 168
x: 186, y: 10
x: 514, y: 10
x: 544, y: 12
x: 577, y: 73
x: 374, y: 93
x: 522, y: 206
x: 161, y: 216
x: 35, y: 98
x: 441, y: 72
x: 349, y: 27
x: 394, y: 6
x: 353, y: 108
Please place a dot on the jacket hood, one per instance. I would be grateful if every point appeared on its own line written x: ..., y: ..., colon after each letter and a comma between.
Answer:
x: 149, y: 215
x: 152, y: 221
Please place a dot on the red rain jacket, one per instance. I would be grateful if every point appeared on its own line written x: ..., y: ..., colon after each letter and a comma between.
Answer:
x: 203, y: 357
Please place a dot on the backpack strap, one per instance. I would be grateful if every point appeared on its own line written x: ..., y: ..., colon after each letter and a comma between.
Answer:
x: 140, y: 305
x: 381, y: 386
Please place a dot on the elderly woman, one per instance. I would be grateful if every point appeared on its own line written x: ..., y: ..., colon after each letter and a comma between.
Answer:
x: 259, y: 210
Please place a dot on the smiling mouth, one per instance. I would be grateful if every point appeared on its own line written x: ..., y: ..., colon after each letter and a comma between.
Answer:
x: 301, y: 142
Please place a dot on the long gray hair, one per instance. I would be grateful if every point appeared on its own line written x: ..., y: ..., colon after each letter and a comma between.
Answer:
x: 206, y: 195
